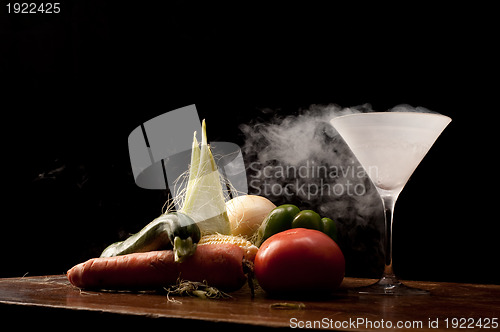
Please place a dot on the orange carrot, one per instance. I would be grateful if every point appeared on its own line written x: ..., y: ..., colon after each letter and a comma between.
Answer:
x: 221, y: 265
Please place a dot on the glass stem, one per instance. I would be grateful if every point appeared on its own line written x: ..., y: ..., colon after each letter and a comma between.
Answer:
x: 388, y: 203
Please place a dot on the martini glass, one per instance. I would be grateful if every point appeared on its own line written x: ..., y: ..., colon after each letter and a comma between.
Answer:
x: 389, y: 146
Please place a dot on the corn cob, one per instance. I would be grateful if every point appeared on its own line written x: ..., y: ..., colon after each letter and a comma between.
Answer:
x: 247, y: 246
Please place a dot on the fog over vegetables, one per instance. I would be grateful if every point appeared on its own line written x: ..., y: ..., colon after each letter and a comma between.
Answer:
x: 301, y: 159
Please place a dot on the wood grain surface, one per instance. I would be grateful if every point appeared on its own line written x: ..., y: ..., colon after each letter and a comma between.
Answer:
x: 448, y: 303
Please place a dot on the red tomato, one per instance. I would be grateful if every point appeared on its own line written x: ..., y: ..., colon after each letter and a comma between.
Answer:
x: 299, y: 260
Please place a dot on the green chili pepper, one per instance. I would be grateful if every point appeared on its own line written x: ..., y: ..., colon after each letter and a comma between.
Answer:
x: 279, y: 220
x: 330, y: 228
x: 307, y: 219
x: 173, y: 229
x: 289, y: 216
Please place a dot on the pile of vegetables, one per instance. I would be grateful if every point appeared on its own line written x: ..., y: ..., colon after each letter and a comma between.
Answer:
x: 212, y: 244
x: 194, y: 242
x: 203, y: 211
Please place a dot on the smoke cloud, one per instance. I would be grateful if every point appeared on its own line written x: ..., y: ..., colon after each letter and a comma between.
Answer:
x: 301, y: 159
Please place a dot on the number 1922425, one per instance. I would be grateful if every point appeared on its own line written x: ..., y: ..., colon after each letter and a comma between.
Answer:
x: 33, y: 8
x: 471, y: 323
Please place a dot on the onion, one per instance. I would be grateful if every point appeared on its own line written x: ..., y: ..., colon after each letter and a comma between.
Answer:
x: 246, y: 213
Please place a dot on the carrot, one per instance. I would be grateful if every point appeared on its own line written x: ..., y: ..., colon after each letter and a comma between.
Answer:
x: 220, y: 265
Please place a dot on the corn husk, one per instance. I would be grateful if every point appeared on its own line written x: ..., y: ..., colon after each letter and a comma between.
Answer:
x: 204, y: 198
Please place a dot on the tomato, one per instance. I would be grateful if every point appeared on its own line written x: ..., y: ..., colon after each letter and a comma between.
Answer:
x: 307, y: 219
x: 301, y: 261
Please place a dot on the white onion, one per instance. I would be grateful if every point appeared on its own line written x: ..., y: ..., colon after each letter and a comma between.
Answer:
x: 246, y: 213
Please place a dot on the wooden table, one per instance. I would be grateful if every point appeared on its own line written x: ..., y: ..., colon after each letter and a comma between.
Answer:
x: 51, y: 298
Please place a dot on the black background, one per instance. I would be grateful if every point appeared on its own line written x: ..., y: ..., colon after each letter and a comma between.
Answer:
x: 75, y: 84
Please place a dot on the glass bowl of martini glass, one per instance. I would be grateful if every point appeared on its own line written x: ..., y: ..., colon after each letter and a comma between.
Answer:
x: 390, y: 146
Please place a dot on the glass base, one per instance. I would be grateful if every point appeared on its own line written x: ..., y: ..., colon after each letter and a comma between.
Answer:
x: 389, y: 285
